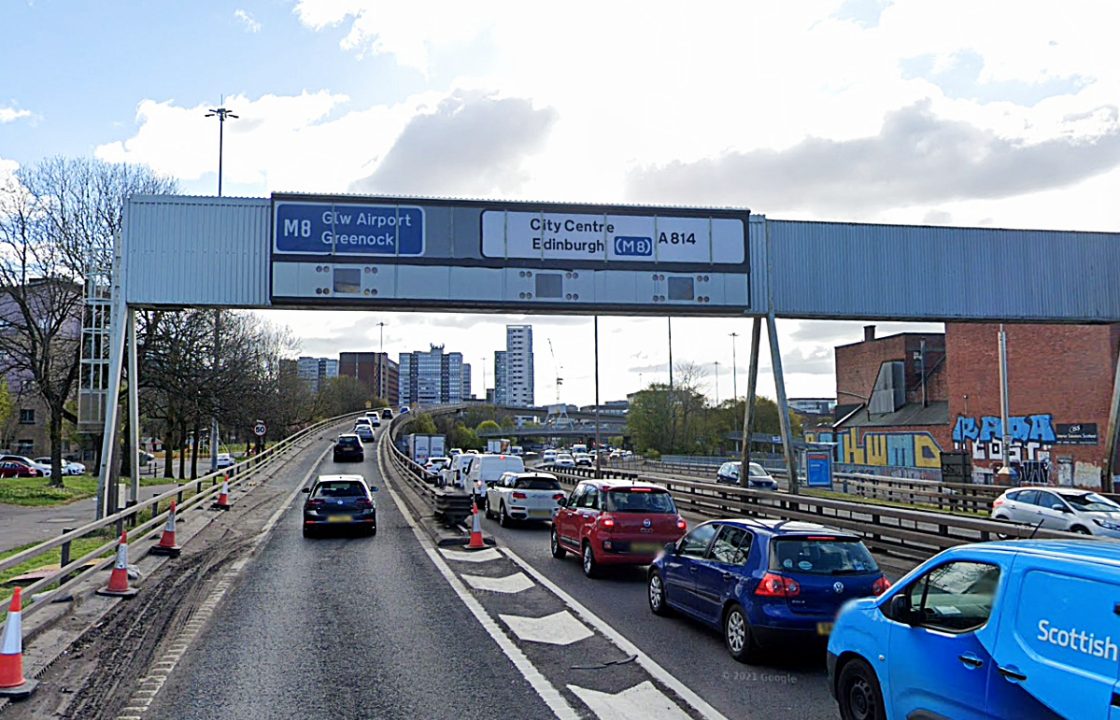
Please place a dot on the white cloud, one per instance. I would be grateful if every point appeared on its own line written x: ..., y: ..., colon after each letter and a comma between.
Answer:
x: 10, y: 114
x: 251, y: 24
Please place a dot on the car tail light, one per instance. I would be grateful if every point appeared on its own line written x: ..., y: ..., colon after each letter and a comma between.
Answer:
x: 641, y: 489
x: 997, y: 502
x: 559, y: 496
x: 681, y: 524
x: 881, y: 585
x: 519, y: 496
x: 777, y: 586
x: 606, y: 521
x: 365, y: 504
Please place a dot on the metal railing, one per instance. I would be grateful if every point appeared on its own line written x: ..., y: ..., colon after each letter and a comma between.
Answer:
x: 71, y: 572
x: 452, y: 504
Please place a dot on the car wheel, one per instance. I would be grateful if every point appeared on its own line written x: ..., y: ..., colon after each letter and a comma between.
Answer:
x: 373, y: 529
x: 858, y: 693
x: 1080, y: 530
x: 656, y: 594
x: 590, y: 567
x: 503, y: 518
x: 489, y: 510
x: 737, y: 635
x: 554, y: 542
x: 1000, y: 518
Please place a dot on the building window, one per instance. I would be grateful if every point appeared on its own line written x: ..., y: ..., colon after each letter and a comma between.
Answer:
x: 26, y: 416
x: 25, y: 447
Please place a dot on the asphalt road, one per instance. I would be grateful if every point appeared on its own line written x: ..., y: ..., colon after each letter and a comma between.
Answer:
x: 344, y: 627
x: 792, y: 684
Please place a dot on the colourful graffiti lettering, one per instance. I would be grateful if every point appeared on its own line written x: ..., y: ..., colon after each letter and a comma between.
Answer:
x: 883, y: 449
x: 1023, y: 429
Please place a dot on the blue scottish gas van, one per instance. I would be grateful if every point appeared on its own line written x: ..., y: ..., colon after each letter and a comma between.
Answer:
x: 1017, y: 629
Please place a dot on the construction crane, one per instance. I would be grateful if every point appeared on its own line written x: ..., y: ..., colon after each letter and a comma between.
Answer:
x: 556, y: 366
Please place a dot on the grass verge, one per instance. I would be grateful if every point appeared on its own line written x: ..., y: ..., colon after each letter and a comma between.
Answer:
x: 38, y: 492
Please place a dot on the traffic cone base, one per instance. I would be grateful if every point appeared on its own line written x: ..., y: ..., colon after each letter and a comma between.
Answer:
x: 476, y: 541
x: 12, y: 682
x: 167, y: 544
x: 170, y: 551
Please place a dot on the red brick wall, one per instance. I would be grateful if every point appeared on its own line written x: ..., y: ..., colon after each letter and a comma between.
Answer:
x: 1065, y: 371
x: 857, y: 367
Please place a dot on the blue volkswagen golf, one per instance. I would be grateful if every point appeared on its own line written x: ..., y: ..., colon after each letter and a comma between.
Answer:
x: 762, y: 582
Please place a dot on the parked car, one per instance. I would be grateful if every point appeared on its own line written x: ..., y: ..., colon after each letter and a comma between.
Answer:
x: 15, y: 468
x: 348, y: 446
x: 763, y: 583
x: 1079, y: 511
x: 1014, y: 629
x: 225, y: 460
x: 523, y: 496
x: 339, y: 501
x: 757, y: 477
x: 68, y: 467
x: 364, y: 432
x: 44, y: 470
x: 615, y: 522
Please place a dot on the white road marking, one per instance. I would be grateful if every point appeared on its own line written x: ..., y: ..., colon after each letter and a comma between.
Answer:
x: 556, y: 629
x: 477, y: 556
x: 659, y: 673
x: 556, y: 702
x: 514, y: 583
x: 641, y: 702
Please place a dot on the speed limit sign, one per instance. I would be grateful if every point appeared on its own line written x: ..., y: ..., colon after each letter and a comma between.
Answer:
x: 260, y: 428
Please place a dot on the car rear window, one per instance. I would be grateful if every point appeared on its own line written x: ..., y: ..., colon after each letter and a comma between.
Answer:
x: 537, y: 483
x: 640, y: 500
x: 350, y: 441
x: 822, y: 556
x: 339, y: 489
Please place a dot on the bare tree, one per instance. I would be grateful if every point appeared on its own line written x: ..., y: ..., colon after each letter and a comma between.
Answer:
x: 53, y: 217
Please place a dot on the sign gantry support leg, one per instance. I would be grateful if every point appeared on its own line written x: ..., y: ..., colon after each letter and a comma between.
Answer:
x: 1113, y: 431
x: 105, y: 483
x: 748, y: 409
x: 783, y: 404
x: 133, y: 409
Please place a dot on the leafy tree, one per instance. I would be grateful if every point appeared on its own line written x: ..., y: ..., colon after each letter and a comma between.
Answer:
x: 342, y: 395
x: 488, y: 426
x: 423, y: 424
x: 463, y: 437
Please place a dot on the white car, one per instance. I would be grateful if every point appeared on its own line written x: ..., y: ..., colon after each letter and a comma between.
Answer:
x: 435, y: 466
x: 225, y: 460
x: 69, y: 467
x: 564, y: 460
x: 364, y: 432
x: 1079, y: 511
x: 523, y: 496
x: 584, y: 459
x: 45, y: 469
x: 548, y: 456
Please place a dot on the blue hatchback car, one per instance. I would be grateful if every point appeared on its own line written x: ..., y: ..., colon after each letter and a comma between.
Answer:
x: 762, y: 582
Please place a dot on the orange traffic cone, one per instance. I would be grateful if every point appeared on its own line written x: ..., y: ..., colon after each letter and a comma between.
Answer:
x: 476, y: 542
x: 118, y: 579
x: 167, y: 544
x: 222, y: 503
x: 12, y: 682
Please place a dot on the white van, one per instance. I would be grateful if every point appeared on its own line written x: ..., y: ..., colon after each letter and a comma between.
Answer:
x: 450, y: 475
x: 486, y: 470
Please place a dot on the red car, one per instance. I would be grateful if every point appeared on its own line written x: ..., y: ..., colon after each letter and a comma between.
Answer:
x: 11, y: 469
x: 615, y: 522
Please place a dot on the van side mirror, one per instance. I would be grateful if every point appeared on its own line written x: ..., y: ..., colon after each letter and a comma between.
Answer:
x: 901, y: 611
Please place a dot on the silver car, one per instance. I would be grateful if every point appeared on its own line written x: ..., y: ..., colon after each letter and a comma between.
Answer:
x: 1079, y: 511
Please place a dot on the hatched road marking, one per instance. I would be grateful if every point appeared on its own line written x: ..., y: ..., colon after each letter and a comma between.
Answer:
x: 557, y: 629
x: 478, y: 556
x: 641, y: 702
x: 514, y: 583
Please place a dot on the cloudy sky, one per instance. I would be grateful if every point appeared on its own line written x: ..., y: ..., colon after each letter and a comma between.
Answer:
x: 916, y: 111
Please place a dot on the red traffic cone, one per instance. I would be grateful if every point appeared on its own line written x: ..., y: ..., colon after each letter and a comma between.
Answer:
x: 222, y: 503
x: 476, y: 542
x: 118, y: 579
x: 12, y: 682
x: 167, y: 544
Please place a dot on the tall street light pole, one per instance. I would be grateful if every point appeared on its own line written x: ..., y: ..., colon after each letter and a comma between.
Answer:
x: 734, y: 370
x: 221, y: 113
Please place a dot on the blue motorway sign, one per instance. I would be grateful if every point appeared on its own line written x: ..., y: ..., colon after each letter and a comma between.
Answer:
x: 347, y: 229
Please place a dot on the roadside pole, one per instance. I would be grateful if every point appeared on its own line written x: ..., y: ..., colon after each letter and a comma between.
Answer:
x: 783, y: 405
x: 598, y: 436
x: 748, y: 409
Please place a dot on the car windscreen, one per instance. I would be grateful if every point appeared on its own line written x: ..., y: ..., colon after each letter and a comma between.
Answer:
x: 339, y: 489
x: 757, y: 470
x: 1091, y: 502
x: 822, y: 556
x: 640, y: 500
x: 537, y: 483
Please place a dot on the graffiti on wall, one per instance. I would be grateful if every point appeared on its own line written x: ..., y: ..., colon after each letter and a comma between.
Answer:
x: 1031, y: 437
x: 883, y: 449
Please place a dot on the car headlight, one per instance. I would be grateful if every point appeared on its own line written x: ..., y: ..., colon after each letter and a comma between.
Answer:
x: 1107, y: 524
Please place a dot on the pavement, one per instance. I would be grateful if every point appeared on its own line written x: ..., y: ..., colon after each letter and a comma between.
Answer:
x: 23, y: 525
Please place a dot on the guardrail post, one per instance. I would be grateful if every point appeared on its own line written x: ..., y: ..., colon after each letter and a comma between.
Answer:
x: 120, y: 526
x: 179, y: 496
x: 132, y: 517
x: 64, y: 558
x: 155, y: 506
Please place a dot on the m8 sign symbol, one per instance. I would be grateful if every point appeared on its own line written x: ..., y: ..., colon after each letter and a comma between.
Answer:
x: 630, y: 246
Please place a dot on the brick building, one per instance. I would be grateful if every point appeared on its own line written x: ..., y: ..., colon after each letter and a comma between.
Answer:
x: 903, y: 399
x: 374, y: 370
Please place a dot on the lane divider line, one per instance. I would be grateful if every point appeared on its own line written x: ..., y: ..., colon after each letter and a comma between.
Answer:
x: 536, y: 679
x: 651, y: 666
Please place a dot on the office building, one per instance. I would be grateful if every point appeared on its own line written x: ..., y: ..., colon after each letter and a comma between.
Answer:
x: 374, y: 370
x: 432, y: 378
x: 513, y: 368
x: 316, y: 371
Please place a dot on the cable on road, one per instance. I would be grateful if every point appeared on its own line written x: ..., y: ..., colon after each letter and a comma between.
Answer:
x: 607, y: 664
